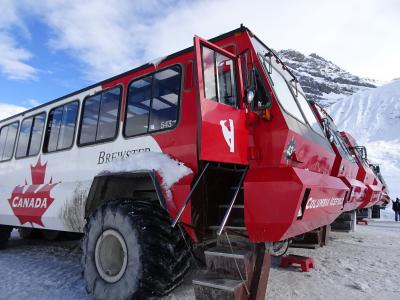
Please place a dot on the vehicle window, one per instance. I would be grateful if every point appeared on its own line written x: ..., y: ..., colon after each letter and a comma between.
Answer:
x: 55, y: 117
x: 108, y: 121
x: 100, y: 117
x: 219, y: 77
x: 153, y: 102
x: 8, y: 135
x: 67, y: 129
x: 284, y: 94
x: 137, y: 116
x: 209, y: 71
x: 30, y: 136
x: 61, y: 127
x: 90, y: 117
x: 312, y: 120
x: 339, y: 145
x: 164, y: 105
x: 262, y: 97
x: 24, y: 134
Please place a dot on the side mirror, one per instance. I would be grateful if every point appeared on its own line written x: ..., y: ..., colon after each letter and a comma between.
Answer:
x: 325, y: 126
x: 250, y: 94
x: 256, y: 94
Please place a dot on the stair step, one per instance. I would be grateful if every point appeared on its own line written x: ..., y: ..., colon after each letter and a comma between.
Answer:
x: 235, y: 187
x: 210, y: 286
x: 235, y: 206
x: 236, y: 217
x: 221, y: 260
x: 236, y: 241
x: 238, y: 253
x: 238, y: 228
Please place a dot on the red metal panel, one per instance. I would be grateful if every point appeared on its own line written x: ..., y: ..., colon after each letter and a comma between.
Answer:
x: 358, y: 193
x: 273, y: 197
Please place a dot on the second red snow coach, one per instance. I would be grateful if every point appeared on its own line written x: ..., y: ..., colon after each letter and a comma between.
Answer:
x: 365, y: 172
x: 345, y: 165
x: 211, y: 143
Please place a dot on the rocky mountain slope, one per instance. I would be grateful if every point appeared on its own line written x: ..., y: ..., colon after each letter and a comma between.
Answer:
x: 321, y: 79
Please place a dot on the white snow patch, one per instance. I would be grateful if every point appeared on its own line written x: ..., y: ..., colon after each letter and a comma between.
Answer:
x: 170, y: 170
x: 155, y: 62
x: 372, y: 117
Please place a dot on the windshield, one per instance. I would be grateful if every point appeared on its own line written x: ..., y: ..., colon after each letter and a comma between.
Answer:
x: 312, y: 120
x: 290, y: 97
x: 344, y: 151
x: 361, y: 154
x: 283, y: 92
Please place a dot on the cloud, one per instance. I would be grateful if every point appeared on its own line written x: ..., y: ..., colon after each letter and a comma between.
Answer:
x: 7, y: 110
x: 32, y: 103
x: 108, y: 37
x: 14, y: 59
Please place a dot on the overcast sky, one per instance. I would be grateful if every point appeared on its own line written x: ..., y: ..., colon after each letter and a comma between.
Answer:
x: 50, y: 48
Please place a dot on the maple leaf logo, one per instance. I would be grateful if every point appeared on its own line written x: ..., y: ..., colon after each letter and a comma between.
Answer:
x: 30, y: 202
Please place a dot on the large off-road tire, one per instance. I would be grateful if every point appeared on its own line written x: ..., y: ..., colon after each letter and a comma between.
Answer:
x: 5, y: 232
x: 130, y: 251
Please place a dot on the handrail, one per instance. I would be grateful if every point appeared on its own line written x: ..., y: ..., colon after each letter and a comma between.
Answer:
x: 221, y: 228
x: 176, y: 220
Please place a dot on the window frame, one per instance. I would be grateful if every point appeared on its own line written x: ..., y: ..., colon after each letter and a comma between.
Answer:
x: 76, y: 123
x: 30, y: 135
x: 120, y: 86
x: 15, y: 140
x: 236, y: 71
x: 178, y: 117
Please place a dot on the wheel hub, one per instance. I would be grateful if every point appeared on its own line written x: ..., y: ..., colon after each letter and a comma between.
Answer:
x: 111, y: 256
x: 279, y: 248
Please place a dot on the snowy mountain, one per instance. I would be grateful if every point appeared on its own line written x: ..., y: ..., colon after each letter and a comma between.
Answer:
x: 321, y: 79
x: 373, y: 117
x: 372, y: 114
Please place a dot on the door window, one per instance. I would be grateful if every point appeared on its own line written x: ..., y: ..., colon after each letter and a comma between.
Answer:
x: 219, y: 77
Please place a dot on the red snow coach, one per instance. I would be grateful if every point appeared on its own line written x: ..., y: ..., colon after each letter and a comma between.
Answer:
x: 214, y: 142
x: 345, y: 166
x: 365, y: 173
x: 385, y: 198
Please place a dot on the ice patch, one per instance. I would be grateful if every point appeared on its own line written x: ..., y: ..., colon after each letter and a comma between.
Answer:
x: 155, y: 62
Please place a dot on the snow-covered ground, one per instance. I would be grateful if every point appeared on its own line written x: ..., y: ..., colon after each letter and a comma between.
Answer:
x: 359, y: 265
x: 37, y: 269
